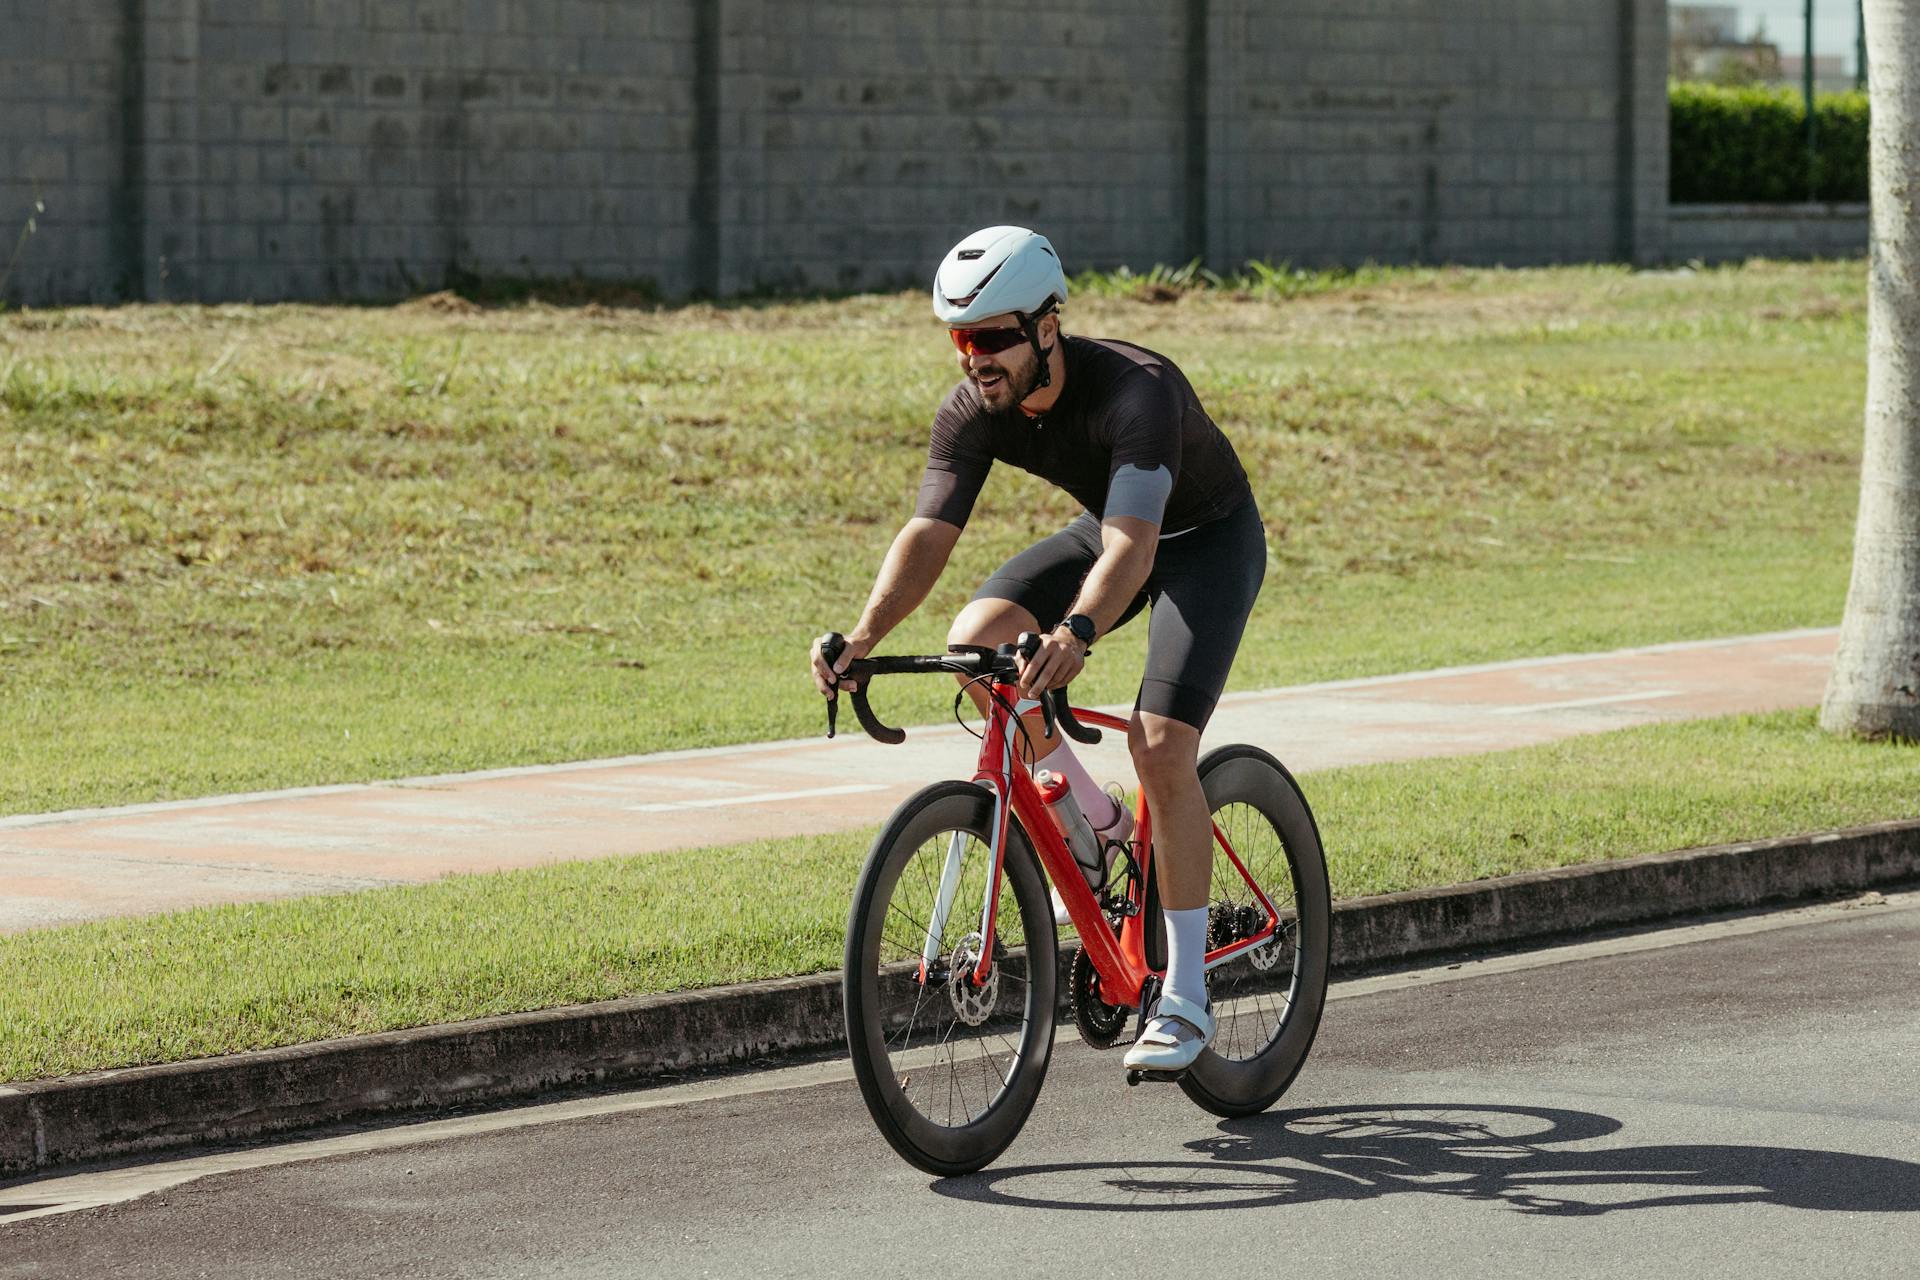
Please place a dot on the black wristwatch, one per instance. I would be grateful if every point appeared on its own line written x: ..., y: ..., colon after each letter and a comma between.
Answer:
x: 1082, y: 627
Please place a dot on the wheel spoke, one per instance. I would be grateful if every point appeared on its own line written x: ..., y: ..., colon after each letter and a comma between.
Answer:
x: 947, y: 1050
x: 906, y: 1036
x: 1256, y: 841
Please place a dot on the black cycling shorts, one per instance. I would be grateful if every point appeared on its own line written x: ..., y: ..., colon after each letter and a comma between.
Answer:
x: 1202, y: 588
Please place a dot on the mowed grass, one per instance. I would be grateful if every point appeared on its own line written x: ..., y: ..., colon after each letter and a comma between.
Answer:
x: 214, y: 981
x: 246, y: 547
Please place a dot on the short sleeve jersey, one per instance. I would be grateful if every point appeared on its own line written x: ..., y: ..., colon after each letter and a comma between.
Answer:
x: 1120, y: 405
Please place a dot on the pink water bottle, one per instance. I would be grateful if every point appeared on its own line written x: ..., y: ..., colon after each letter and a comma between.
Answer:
x: 1073, y: 825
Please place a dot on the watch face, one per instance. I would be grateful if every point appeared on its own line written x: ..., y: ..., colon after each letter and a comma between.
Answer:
x: 1082, y: 628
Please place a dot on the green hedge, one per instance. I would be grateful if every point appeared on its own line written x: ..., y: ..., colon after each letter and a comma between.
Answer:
x: 1741, y: 145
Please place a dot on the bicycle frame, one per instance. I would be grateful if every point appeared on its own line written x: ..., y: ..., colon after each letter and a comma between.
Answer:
x: 1120, y: 962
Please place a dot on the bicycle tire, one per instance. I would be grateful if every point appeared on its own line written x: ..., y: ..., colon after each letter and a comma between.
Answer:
x: 885, y: 996
x: 1251, y: 792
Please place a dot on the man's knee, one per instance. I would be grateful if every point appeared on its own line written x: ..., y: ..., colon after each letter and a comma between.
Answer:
x: 968, y: 627
x: 990, y: 622
x: 1163, y: 749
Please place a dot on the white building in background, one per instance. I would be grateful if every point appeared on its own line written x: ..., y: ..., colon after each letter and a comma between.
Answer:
x: 1705, y: 44
x: 1711, y: 23
x: 1763, y: 42
x: 1832, y: 72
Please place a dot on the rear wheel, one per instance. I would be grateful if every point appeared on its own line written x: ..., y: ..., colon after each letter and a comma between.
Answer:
x: 949, y: 1067
x: 1268, y: 999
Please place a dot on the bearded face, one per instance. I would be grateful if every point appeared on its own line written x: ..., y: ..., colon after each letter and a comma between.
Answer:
x: 1005, y: 377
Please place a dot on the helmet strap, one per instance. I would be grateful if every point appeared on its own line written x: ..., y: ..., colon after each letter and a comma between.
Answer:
x: 1030, y: 325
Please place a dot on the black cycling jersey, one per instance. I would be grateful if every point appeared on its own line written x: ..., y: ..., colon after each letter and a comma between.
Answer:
x: 1120, y: 406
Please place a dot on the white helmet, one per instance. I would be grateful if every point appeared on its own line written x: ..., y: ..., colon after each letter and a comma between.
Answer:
x: 997, y: 270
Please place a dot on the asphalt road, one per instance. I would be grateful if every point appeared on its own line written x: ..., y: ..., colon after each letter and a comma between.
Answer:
x: 1739, y: 1098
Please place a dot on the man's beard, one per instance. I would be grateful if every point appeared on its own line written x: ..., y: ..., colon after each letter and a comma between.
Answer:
x: 1011, y: 389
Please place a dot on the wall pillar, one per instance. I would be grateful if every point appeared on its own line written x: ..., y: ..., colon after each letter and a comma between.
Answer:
x: 166, y: 182
x: 704, y: 207
x: 740, y: 187
x: 1227, y: 31
x: 1197, y: 134
x: 1643, y: 154
x: 127, y: 200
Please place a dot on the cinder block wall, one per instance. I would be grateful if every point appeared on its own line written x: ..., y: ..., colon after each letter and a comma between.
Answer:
x: 62, y: 144
x: 222, y: 149
x: 870, y: 136
x: 1509, y: 131
x: 299, y: 149
x: 1734, y: 232
x: 354, y: 148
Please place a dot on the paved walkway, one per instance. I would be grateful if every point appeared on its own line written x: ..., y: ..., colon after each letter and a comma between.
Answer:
x: 56, y: 868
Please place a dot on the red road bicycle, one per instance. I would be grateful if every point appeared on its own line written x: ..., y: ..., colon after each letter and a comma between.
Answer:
x: 951, y: 984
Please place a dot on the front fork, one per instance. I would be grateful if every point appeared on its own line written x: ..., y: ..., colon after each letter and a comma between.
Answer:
x: 943, y: 902
x: 950, y: 890
x: 998, y: 744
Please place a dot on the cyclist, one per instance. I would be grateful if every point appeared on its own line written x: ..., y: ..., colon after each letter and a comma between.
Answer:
x: 1169, y: 520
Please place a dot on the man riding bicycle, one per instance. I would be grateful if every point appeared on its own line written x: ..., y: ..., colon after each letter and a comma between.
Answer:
x: 1169, y: 521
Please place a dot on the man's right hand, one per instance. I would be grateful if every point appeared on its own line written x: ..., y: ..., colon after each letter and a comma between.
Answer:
x: 823, y: 675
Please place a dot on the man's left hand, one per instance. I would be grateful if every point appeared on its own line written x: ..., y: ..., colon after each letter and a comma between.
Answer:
x: 1054, y: 667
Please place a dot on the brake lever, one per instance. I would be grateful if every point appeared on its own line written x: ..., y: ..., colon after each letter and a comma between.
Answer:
x: 832, y: 645
x: 1026, y: 646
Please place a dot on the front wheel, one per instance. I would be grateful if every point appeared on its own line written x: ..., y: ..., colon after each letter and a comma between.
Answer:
x: 949, y: 1067
x: 1267, y: 999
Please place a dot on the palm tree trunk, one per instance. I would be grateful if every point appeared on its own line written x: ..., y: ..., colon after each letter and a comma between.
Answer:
x: 1875, y: 687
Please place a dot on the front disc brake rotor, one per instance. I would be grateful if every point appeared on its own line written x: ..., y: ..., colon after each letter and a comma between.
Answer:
x: 972, y: 1004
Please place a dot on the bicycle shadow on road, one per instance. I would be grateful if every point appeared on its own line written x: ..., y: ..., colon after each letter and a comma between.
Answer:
x: 1502, y: 1155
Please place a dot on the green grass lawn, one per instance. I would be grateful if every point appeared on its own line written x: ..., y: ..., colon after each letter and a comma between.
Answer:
x: 211, y: 981
x: 246, y: 547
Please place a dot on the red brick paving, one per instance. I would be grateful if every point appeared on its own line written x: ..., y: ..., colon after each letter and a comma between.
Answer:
x: 58, y: 868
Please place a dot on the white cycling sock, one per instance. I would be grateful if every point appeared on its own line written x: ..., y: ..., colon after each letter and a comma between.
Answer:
x: 1187, y: 955
x: 1099, y: 807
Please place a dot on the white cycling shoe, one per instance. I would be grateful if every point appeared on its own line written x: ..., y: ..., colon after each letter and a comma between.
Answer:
x: 1176, y: 1032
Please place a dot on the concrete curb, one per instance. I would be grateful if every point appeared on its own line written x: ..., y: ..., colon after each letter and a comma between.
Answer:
x: 44, y: 1124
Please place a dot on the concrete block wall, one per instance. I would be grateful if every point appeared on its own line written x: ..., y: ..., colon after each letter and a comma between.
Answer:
x: 221, y: 149
x: 63, y: 79
x: 888, y: 131
x: 1511, y: 131
x: 356, y: 148
x: 305, y: 149
x: 1736, y: 232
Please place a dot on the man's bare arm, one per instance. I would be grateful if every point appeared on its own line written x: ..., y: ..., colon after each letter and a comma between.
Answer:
x: 1127, y: 547
x: 914, y: 563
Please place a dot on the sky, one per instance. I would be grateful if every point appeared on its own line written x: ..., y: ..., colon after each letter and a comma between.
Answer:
x: 1836, y: 23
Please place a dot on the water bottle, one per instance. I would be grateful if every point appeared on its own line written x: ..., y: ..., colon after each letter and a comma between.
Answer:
x: 1074, y: 827
x: 1120, y: 830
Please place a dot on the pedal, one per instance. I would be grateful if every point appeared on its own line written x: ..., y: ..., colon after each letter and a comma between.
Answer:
x: 1137, y: 1076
